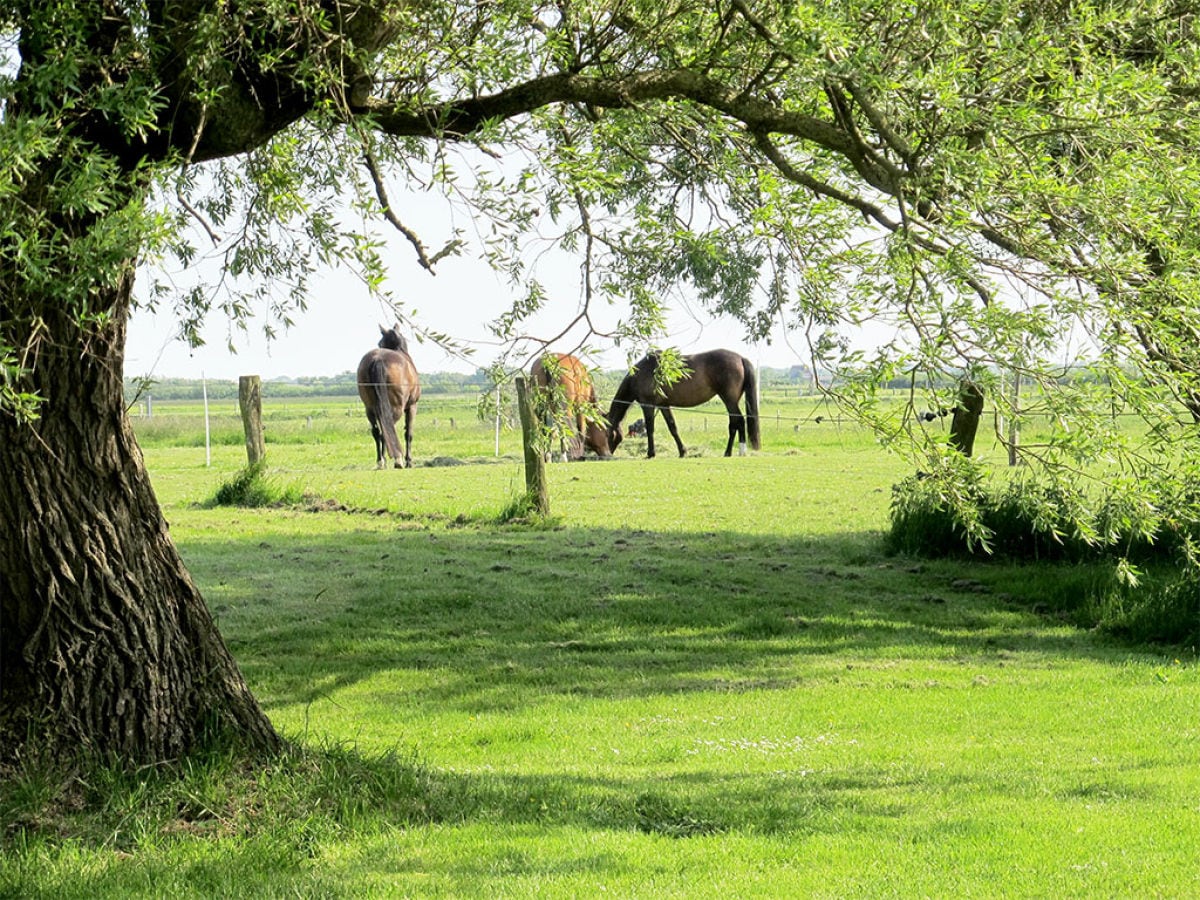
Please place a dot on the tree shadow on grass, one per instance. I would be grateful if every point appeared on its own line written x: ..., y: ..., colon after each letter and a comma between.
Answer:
x: 480, y: 621
x: 307, y: 854
x: 593, y: 612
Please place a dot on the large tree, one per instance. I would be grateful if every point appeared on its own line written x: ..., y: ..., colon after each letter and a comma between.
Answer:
x: 995, y: 180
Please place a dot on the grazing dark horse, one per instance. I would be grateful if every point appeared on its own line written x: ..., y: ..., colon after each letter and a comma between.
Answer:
x: 388, y: 385
x: 567, y: 392
x: 717, y: 373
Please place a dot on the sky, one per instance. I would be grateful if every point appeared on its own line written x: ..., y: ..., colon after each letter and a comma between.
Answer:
x: 342, y: 320
x: 342, y: 323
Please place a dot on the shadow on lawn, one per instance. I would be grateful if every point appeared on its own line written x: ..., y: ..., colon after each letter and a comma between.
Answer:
x: 478, y: 620
x: 500, y: 613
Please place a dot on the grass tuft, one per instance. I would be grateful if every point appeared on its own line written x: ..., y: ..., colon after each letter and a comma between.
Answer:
x: 252, y: 487
x: 521, y: 509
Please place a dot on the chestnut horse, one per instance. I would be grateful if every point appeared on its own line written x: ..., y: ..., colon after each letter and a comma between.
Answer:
x: 716, y: 373
x: 388, y: 385
x: 565, y: 392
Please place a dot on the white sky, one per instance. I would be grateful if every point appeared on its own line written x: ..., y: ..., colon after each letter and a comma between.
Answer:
x: 342, y: 323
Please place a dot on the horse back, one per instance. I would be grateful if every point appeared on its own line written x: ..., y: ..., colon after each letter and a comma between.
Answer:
x: 393, y: 369
x: 567, y: 372
x: 713, y: 373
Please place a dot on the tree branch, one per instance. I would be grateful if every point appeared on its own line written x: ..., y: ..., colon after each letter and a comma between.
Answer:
x: 386, y: 208
x: 457, y: 119
x: 870, y: 211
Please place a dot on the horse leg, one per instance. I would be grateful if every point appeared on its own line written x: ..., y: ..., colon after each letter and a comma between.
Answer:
x: 648, y: 418
x: 377, y: 434
x: 737, y: 426
x: 578, y: 445
x: 410, y: 412
x: 669, y: 418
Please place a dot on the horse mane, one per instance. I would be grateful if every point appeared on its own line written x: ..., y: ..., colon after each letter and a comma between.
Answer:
x: 622, y: 399
x: 392, y: 339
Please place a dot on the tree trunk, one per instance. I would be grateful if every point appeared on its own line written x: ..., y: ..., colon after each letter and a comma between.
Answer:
x: 965, y: 423
x: 250, y: 403
x: 105, y: 643
x: 535, y: 466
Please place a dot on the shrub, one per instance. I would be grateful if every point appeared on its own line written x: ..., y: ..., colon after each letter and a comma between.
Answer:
x: 1029, y: 521
x: 251, y: 487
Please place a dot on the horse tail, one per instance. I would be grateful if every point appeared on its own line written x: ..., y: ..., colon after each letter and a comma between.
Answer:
x: 383, y: 407
x: 750, y: 388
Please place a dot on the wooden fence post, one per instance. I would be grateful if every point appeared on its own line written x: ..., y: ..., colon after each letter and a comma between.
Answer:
x: 250, y: 401
x: 1014, y: 424
x: 535, y: 465
x: 965, y: 422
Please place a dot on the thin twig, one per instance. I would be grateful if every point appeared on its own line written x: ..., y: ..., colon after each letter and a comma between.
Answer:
x: 386, y: 207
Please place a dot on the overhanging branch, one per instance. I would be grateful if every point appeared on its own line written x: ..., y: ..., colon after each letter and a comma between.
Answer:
x: 457, y: 119
x: 385, y: 206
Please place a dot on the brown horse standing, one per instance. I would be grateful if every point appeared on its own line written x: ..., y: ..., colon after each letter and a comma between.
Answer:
x: 388, y: 384
x: 571, y: 395
x: 716, y: 373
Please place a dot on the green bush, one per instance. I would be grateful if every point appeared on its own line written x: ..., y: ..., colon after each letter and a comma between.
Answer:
x: 251, y: 487
x: 1151, y: 592
x: 1027, y: 520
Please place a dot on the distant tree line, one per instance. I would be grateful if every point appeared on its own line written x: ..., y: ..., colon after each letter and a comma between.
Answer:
x: 479, y: 382
x: 340, y: 385
x: 343, y: 384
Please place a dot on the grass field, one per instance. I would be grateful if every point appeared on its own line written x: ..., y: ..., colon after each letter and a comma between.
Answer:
x: 704, y: 678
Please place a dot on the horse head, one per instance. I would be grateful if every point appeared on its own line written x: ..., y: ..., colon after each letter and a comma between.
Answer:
x: 613, y: 433
x: 392, y: 339
x: 595, y: 438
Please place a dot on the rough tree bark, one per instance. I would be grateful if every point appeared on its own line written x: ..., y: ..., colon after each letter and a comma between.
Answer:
x: 965, y: 423
x: 105, y: 643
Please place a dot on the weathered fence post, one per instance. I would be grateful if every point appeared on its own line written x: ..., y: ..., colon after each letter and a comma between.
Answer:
x: 965, y: 422
x: 1014, y: 423
x: 535, y: 466
x: 250, y: 401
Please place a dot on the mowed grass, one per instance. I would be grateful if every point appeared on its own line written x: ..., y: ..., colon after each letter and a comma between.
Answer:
x: 703, y: 679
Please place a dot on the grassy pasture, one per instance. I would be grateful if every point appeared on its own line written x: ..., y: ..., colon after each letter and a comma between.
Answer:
x: 706, y: 680
x: 450, y: 427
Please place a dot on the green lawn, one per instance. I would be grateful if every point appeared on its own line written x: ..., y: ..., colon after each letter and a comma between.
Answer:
x: 705, y: 680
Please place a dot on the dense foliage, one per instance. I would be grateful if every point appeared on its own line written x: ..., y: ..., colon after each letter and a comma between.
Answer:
x: 1001, y: 189
x: 996, y: 189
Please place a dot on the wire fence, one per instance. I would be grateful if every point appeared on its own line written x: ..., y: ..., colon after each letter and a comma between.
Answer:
x: 477, y: 425
x: 463, y: 426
